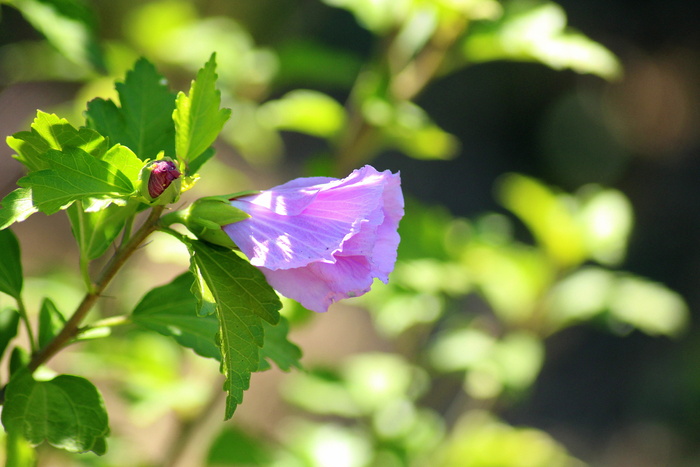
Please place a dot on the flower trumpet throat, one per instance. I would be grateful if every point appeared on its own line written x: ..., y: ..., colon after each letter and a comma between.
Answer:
x: 319, y: 239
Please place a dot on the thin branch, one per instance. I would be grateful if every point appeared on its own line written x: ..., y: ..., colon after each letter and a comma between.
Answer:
x: 72, y: 326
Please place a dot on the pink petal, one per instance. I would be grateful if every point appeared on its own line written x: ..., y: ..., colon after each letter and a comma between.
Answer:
x: 319, y: 285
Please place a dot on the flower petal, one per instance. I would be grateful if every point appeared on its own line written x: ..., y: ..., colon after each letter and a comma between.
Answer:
x: 319, y: 285
x: 331, y: 215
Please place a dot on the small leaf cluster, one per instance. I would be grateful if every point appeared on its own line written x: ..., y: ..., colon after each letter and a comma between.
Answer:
x: 221, y: 308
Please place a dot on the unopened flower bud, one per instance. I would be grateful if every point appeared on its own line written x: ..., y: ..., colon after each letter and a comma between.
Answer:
x: 160, y: 181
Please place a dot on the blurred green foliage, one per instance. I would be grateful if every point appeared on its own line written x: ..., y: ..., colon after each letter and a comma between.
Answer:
x: 471, y: 301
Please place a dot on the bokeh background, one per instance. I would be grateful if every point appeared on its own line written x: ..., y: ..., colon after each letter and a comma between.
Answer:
x: 544, y: 307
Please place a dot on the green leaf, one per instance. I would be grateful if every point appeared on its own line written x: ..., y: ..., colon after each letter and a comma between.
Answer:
x: 234, y: 447
x: 277, y: 348
x: 243, y: 298
x: 171, y: 310
x: 305, y: 111
x: 409, y: 128
x: 198, y: 119
x: 74, y: 175
x: 16, y: 207
x: 69, y: 25
x: 537, y: 32
x: 125, y: 160
x: 67, y: 411
x: 144, y: 122
x: 51, y: 321
x: 9, y: 320
x: 19, y: 359
x: 48, y: 131
x: 10, y: 264
x: 95, y: 231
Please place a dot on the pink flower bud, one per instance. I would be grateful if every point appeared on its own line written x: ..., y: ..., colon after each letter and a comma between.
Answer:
x: 163, y: 172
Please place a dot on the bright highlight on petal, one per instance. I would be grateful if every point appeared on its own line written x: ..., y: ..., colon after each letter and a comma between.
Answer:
x: 319, y: 240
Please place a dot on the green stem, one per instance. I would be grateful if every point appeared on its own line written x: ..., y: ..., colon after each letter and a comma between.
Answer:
x: 111, y: 322
x: 25, y: 319
x: 71, y: 329
x: 174, y: 217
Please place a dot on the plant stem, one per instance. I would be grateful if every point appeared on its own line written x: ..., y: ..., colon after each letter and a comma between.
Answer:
x: 71, y: 328
x: 407, y: 80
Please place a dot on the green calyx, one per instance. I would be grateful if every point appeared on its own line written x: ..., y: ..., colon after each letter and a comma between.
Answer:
x: 206, y: 216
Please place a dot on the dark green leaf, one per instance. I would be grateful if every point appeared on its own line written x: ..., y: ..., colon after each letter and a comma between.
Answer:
x: 16, y: 207
x: 198, y: 119
x: 242, y: 298
x: 69, y: 25
x: 51, y: 321
x: 19, y: 359
x: 171, y: 310
x: 10, y: 264
x: 277, y: 348
x: 238, y: 280
x: 66, y: 411
x: 144, y: 121
x: 9, y: 320
x: 48, y: 131
x: 74, y: 175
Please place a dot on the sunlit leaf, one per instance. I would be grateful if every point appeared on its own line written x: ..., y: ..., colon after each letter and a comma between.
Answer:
x: 74, y: 175
x: 16, y: 207
x: 480, y: 440
x: 379, y: 16
x: 70, y: 26
x: 66, y: 411
x: 242, y: 298
x: 537, y: 31
x: 550, y: 216
x: 407, y: 127
x: 197, y: 116
x: 607, y: 221
x: 48, y: 131
x: 305, y: 111
x: 648, y: 306
x: 124, y: 160
x: 143, y: 121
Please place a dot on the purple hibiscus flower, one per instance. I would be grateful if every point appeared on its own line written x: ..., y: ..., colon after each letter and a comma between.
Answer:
x: 319, y: 239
